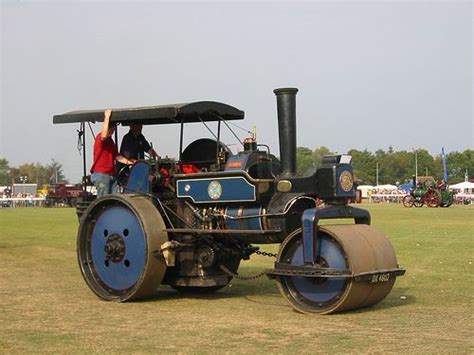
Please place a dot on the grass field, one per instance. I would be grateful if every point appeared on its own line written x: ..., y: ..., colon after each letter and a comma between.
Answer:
x: 45, y: 306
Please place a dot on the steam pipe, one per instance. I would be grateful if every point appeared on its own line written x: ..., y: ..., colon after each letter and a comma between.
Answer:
x: 286, y: 107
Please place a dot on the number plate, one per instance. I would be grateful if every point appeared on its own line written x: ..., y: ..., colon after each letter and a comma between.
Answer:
x: 380, y: 278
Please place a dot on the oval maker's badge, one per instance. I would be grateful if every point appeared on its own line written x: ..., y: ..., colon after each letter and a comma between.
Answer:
x: 346, y: 180
x: 214, y: 190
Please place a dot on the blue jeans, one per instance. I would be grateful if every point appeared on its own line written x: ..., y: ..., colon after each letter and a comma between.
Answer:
x: 105, y: 184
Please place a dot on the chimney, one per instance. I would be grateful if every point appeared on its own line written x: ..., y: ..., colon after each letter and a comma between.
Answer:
x: 286, y: 106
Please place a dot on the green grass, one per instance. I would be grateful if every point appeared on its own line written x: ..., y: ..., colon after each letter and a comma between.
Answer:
x: 45, y: 305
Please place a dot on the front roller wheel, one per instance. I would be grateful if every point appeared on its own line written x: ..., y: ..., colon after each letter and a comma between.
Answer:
x: 358, y: 248
x: 408, y: 201
x: 118, y: 247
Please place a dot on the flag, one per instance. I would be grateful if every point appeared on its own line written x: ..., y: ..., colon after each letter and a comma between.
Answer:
x: 445, y: 170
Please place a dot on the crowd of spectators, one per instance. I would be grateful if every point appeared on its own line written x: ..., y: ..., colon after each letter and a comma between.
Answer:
x: 21, y: 199
x: 396, y: 196
x: 385, y: 195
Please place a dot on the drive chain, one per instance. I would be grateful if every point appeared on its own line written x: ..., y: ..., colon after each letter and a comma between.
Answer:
x: 237, y: 276
x: 264, y: 253
x: 251, y: 277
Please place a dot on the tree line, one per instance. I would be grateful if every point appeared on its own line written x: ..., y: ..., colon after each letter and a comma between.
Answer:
x: 390, y: 166
x: 31, y: 173
x: 394, y: 166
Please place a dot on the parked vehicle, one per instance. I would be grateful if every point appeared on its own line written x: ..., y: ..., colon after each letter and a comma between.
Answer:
x: 61, y: 194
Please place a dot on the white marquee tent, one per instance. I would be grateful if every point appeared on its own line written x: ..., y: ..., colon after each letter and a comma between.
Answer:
x: 386, y: 187
x: 364, y: 189
x: 464, y: 187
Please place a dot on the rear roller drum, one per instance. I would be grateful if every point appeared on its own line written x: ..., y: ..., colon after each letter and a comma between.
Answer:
x: 358, y: 248
x: 118, y: 247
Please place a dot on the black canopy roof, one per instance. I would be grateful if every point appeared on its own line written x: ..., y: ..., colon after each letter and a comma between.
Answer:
x: 177, y: 113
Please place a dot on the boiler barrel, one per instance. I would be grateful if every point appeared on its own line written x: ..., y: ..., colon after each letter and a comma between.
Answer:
x: 244, y: 217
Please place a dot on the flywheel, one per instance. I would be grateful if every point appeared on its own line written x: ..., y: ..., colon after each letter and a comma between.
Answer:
x: 118, y: 247
x: 360, y: 251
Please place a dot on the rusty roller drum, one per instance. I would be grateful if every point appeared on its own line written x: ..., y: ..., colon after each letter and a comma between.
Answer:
x: 118, y: 247
x: 359, y: 248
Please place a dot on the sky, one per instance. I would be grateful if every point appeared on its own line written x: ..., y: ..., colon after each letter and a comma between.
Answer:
x: 370, y: 74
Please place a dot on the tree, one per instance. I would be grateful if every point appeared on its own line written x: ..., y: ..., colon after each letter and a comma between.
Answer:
x: 458, y: 163
x: 35, y: 173
x: 308, y: 160
x: 364, y: 164
x: 4, y: 172
x: 28, y: 170
x: 401, y: 166
x: 54, y: 171
x: 425, y: 163
x: 318, y: 154
x: 395, y: 166
x: 304, y: 160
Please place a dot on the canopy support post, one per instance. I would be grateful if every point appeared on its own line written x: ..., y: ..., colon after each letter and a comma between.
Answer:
x: 84, y: 162
x: 181, y: 140
x: 217, y: 145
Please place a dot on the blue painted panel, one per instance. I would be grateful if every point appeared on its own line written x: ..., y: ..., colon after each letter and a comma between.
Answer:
x: 138, y: 180
x: 215, y: 190
x: 309, y: 219
x: 123, y: 274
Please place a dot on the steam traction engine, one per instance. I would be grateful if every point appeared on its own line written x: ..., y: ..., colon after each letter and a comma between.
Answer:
x: 425, y: 192
x: 189, y: 223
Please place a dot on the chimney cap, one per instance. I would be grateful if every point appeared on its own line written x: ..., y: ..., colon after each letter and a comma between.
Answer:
x: 285, y: 91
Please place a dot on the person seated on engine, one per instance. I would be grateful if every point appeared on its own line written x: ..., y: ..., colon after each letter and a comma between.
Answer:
x: 134, y: 144
x: 442, y: 186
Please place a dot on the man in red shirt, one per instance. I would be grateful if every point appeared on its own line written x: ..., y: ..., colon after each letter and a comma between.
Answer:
x: 105, y: 155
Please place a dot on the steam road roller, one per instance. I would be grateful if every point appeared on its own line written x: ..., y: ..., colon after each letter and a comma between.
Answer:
x: 188, y: 222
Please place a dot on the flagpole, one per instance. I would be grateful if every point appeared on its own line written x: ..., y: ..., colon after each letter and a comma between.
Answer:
x: 416, y: 165
x: 445, y: 170
x: 377, y: 174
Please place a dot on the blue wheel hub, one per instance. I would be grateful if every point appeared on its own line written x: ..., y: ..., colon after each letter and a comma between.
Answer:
x: 118, y: 248
x: 316, y: 292
x: 114, y: 249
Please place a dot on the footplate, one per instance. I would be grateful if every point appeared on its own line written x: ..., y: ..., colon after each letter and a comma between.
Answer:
x: 282, y: 269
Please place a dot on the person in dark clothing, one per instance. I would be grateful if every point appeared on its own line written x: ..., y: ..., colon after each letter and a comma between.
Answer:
x: 134, y: 144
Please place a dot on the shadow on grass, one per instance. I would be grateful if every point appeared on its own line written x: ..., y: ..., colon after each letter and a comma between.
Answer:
x: 236, y: 288
x: 266, y: 293
x: 398, y: 297
x: 10, y: 246
x: 169, y: 294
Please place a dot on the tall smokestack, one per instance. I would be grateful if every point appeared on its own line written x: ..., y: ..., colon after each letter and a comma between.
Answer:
x: 286, y: 106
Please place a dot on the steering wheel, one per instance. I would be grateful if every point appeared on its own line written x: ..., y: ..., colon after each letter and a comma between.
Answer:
x: 122, y: 175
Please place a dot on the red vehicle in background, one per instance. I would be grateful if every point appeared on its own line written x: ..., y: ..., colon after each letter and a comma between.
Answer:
x: 64, y: 195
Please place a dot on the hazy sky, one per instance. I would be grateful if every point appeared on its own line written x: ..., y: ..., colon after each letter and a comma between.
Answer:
x: 370, y: 74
